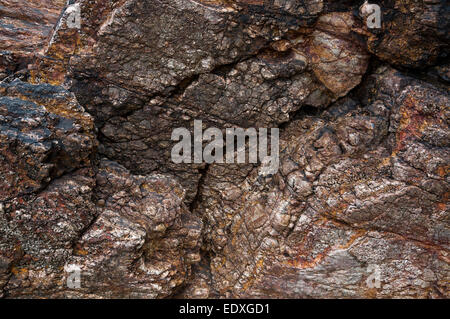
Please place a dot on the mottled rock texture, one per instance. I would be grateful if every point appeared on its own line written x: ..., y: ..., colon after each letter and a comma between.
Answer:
x: 132, y: 236
x: 358, y: 208
x: 359, y: 184
x: 25, y: 26
x: 415, y: 33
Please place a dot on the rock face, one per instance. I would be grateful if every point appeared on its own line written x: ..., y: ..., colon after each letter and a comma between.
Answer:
x: 45, y: 133
x: 143, y: 241
x: 414, y: 35
x: 235, y: 65
x: 358, y: 186
x: 358, y: 208
x: 24, y: 28
x: 131, y: 236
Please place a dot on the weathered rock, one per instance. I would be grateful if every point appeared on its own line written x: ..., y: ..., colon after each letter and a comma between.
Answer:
x: 152, y: 30
x: 44, y: 134
x: 24, y: 28
x: 38, y: 232
x: 237, y: 63
x: 58, y: 210
x: 47, y: 147
x: 359, y: 207
x: 335, y: 52
x: 143, y: 241
x: 138, y: 243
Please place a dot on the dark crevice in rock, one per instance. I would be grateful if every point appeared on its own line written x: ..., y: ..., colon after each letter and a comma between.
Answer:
x: 198, y: 196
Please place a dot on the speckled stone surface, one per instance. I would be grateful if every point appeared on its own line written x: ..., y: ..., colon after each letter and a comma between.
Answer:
x: 358, y: 208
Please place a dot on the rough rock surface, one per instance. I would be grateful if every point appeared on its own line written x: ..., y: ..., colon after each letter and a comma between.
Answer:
x: 60, y: 208
x: 236, y: 65
x: 358, y: 208
x: 360, y: 184
x: 44, y: 134
x: 414, y: 34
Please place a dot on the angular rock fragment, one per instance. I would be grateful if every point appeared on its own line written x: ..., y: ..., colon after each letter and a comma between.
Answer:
x: 24, y: 28
x: 337, y: 57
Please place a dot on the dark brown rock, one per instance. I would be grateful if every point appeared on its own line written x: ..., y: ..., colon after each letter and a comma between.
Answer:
x: 351, y: 181
x: 141, y: 241
x: 25, y: 27
x: 414, y: 34
x: 358, y: 208
x: 243, y: 64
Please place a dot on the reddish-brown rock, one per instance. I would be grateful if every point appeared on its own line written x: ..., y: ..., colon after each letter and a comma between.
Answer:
x: 25, y: 27
x: 358, y: 208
